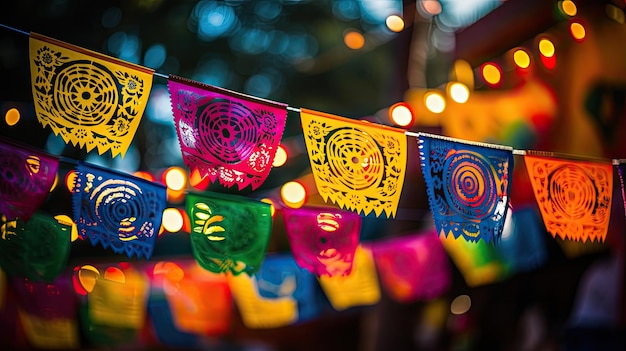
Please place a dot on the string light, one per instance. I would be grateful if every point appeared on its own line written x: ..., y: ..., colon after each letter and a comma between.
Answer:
x: 175, y: 178
x: 293, y: 194
x: 12, y: 116
x: 354, y: 40
x: 577, y: 30
x: 492, y: 74
x: 172, y: 220
x: 434, y: 102
x: 458, y: 91
x: 521, y: 58
x: 568, y: 7
x: 401, y: 114
x: 395, y: 23
x: 280, y: 158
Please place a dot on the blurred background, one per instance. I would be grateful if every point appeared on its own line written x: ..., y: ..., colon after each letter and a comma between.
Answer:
x: 532, y: 74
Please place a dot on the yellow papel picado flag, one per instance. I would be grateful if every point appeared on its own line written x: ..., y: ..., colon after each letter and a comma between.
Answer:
x: 89, y: 99
x: 358, y: 165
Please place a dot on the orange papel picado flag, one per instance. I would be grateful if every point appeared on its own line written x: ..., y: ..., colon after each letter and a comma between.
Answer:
x: 89, y: 99
x: 358, y: 165
x: 574, y: 196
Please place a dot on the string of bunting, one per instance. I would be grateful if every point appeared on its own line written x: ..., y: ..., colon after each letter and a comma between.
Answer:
x: 96, y: 102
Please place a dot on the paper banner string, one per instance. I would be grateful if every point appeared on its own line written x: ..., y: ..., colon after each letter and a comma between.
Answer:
x: 323, y: 239
x: 117, y: 210
x: 574, y: 196
x: 185, y: 286
x: 360, y: 288
x: 89, y: 99
x: 26, y: 177
x: 467, y: 184
x: 358, y: 165
x: 413, y: 267
x: 229, y: 233
x: 280, y: 276
x: 225, y: 135
x: 37, y: 250
x: 47, y: 311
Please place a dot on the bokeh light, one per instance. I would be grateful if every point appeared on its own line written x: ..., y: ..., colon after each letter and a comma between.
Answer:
x: 354, y: 40
x: 272, y: 206
x: 434, y: 102
x: 114, y: 274
x: 521, y: 58
x: 577, y: 30
x: 281, y: 156
x: 175, y: 178
x: 198, y: 181
x: 293, y: 194
x: 401, y: 114
x: 12, y: 116
x: 461, y: 304
x: 568, y: 7
x: 459, y: 92
x: 144, y: 175
x: 395, y: 23
x: 172, y: 220
x: 546, y: 47
x: 492, y: 73
x: 70, y: 180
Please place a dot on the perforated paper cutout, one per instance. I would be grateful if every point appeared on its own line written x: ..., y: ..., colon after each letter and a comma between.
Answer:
x: 468, y: 186
x: 89, y: 99
x: 227, y: 136
x: 323, y: 239
x: 357, y: 165
x: 26, y: 176
x: 574, y: 197
x: 118, y: 211
x: 229, y: 233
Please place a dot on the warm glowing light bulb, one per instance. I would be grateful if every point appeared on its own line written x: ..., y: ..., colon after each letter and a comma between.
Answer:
x: 272, y: 207
x: 172, y: 220
x: 401, y: 114
x: 175, y: 178
x: 491, y: 73
x: 577, y: 30
x: 546, y: 47
x: 434, y: 102
x: 568, y: 7
x: 293, y: 194
x: 281, y: 156
x: 70, y: 180
x: 461, y: 304
x: 459, y: 92
x: 395, y: 23
x: 12, y: 116
x: 354, y: 40
x: 521, y: 58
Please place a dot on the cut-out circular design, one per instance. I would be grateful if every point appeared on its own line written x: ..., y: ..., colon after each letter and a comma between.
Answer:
x: 355, y: 159
x: 572, y: 192
x: 85, y: 94
x: 470, y: 185
x: 229, y: 129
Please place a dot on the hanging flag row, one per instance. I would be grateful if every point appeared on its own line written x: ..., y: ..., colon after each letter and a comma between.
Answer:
x: 168, y: 299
